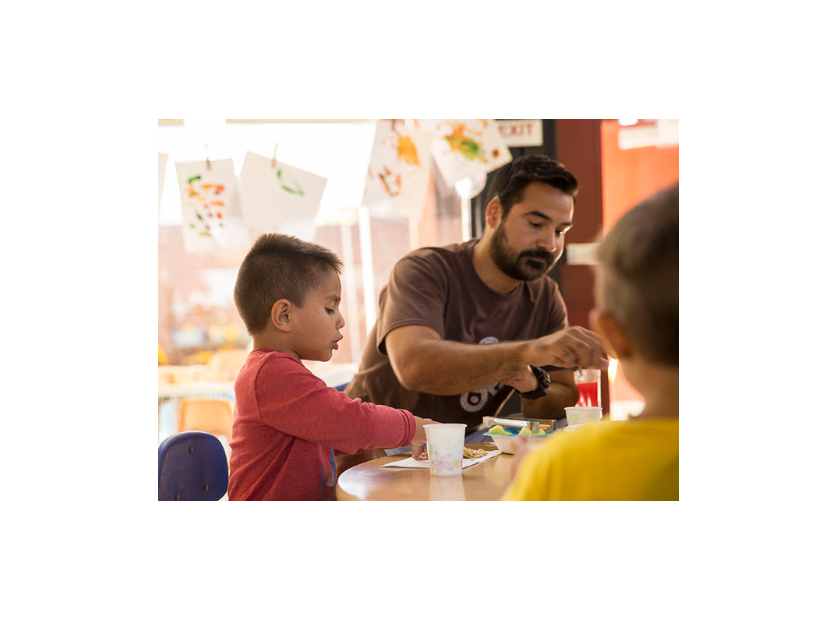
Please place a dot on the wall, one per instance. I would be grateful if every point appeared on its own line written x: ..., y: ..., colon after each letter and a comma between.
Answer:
x: 629, y: 176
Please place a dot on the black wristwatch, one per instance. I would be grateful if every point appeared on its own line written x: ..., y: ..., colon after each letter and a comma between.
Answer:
x: 543, y: 382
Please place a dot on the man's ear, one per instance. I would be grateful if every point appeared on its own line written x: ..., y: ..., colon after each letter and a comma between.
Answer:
x: 281, y: 315
x: 493, y: 213
x: 614, y: 339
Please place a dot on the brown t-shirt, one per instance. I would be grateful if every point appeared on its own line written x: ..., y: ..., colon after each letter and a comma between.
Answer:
x: 438, y: 287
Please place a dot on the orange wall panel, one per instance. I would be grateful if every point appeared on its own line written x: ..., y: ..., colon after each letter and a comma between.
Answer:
x: 631, y: 175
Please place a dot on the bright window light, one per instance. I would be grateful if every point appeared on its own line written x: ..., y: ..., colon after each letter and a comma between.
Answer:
x: 340, y: 152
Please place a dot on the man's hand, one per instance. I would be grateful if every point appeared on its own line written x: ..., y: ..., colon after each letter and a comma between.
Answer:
x: 574, y: 346
x: 419, y: 438
x: 523, y: 381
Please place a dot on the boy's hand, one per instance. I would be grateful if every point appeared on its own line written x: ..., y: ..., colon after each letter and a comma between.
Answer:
x: 419, y: 438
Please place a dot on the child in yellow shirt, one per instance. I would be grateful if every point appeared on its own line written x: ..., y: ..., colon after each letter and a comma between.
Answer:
x: 637, y: 315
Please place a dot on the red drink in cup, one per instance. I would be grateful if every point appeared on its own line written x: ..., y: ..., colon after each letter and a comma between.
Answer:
x: 588, y: 380
x: 588, y: 394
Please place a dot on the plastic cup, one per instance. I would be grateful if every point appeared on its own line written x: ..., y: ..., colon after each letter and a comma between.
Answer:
x: 445, y: 448
x: 583, y: 414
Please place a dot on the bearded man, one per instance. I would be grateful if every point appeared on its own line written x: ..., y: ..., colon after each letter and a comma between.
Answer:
x: 460, y: 326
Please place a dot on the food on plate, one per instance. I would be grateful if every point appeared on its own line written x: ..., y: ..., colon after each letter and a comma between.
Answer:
x: 473, y: 453
x: 467, y: 453
x: 497, y: 429
x: 525, y: 431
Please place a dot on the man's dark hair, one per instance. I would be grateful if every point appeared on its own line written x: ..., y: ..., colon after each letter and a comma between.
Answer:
x: 511, y: 179
x: 279, y: 267
x: 639, y: 276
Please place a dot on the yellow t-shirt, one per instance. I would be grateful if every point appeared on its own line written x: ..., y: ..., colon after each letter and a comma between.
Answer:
x: 610, y: 460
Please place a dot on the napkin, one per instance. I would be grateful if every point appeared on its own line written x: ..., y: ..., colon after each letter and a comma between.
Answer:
x: 412, y: 463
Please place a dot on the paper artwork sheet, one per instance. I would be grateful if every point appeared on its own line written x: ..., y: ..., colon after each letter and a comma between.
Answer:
x: 210, y: 206
x: 279, y: 198
x: 400, y: 165
x: 162, y: 158
x: 465, y: 148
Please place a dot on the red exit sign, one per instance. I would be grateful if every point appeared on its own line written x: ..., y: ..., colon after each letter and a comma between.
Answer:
x: 521, y: 132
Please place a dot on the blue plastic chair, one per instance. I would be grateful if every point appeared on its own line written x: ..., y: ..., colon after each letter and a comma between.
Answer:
x: 191, y: 466
x: 342, y: 386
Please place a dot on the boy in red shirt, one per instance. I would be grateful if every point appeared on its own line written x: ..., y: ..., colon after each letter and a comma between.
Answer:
x: 287, y: 423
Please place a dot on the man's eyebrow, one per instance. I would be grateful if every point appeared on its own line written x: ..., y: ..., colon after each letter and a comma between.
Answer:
x: 333, y: 297
x: 538, y: 214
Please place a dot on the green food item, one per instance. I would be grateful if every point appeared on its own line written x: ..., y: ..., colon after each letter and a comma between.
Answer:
x: 541, y: 433
x: 497, y: 429
x: 525, y: 431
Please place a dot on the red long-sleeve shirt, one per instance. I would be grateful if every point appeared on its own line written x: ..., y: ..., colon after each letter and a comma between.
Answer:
x: 286, y: 424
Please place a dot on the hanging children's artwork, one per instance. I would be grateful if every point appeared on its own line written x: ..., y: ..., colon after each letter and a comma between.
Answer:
x: 210, y: 206
x: 161, y: 175
x: 465, y: 148
x: 400, y: 164
x: 279, y: 198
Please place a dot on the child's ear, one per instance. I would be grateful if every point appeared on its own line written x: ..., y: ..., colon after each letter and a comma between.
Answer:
x: 615, y: 342
x: 281, y: 315
x: 493, y: 213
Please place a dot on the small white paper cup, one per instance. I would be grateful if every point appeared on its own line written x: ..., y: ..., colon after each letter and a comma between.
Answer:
x: 577, y: 415
x: 445, y: 448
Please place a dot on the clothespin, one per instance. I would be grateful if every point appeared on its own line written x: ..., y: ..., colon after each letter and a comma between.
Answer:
x: 206, y: 148
x: 273, y: 161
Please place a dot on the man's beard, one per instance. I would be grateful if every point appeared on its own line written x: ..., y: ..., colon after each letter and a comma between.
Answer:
x: 520, y: 266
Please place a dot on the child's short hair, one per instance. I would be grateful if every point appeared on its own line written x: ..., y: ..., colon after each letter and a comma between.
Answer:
x: 639, y: 276
x: 279, y: 267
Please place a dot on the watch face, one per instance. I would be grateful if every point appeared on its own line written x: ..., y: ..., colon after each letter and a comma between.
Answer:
x: 542, y: 376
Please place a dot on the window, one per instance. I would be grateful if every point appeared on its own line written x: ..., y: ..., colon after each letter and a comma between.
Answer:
x: 196, y: 312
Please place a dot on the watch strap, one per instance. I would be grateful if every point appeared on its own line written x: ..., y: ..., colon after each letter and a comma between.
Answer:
x: 543, y: 378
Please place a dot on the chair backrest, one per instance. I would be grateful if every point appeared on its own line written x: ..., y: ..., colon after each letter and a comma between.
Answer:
x: 213, y: 415
x: 191, y: 466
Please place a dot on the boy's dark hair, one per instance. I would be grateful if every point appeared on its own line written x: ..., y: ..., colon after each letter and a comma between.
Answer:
x: 279, y: 267
x: 511, y: 179
x: 639, y: 276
